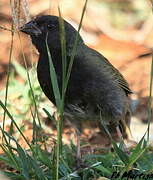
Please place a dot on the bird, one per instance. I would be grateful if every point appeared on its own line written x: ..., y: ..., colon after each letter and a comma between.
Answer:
x: 96, y: 90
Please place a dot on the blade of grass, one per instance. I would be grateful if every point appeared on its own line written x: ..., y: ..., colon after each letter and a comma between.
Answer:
x: 150, y: 91
x: 12, y: 119
x: 59, y: 98
x: 63, y: 50
x: 150, y: 100
x: 49, y: 115
x: 20, y: 69
x: 8, y: 75
x: 58, y: 101
x: 35, y: 114
x: 11, y: 160
x: 75, y: 44
x: 122, y: 155
x: 35, y: 131
x: 66, y: 75
x: 29, y: 81
x: 24, y: 162
x: 53, y: 77
x: 137, y: 152
x: 61, y: 110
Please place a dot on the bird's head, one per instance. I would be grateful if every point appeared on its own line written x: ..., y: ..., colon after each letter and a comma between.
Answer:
x: 47, y: 26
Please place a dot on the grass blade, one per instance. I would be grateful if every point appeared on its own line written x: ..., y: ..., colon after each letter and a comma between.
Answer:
x: 53, y: 77
x: 12, y: 119
x: 122, y: 155
x: 8, y: 74
x: 75, y: 44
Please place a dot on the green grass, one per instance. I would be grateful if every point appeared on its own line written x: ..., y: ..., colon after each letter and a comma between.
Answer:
x: 38, y: 163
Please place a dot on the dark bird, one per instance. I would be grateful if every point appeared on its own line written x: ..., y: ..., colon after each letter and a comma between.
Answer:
x: 96, y: 90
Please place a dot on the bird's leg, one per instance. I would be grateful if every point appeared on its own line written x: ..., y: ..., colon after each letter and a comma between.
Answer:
x: 128, y: 133
x: 78, y: 145
x: 125, y: 125
x: 120, y: 135
x: 78, y: 130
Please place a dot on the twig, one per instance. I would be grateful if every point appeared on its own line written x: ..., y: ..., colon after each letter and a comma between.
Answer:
x: 6, y: 29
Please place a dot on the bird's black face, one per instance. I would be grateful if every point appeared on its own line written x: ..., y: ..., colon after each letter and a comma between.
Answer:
x: 48, y: 27
x: 41, y: 28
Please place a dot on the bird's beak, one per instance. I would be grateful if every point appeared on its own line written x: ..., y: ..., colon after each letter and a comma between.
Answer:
x: 31, y: 29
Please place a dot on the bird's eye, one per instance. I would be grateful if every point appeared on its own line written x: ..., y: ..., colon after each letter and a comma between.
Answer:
x: 50, y: 26
x: 35, y: 23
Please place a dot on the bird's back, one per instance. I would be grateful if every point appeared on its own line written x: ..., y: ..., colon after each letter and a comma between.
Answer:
x: 95, y: 85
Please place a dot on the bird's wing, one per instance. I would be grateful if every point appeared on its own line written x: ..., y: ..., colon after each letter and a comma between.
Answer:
x: 118, y: 76
x: 102, y: 64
